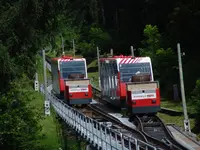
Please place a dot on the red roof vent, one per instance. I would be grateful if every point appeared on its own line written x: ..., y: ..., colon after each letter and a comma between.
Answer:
x: 67, y: 57
x: 122, y: 56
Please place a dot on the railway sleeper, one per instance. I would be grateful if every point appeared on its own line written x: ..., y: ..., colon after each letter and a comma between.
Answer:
x: 167, y: 142
x: 157, y: 136
x: 150, y: 129
x: 153, y: 124
x: 160, y: 129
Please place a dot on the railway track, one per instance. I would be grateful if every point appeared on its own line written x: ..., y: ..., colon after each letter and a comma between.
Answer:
x: 111, y: 122
x: 98, y: 114
x: 134, y: 133
x: 154, y: 129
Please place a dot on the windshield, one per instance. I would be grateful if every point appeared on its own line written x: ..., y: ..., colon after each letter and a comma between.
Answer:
x: 128, y: 70
x: 73, y: 68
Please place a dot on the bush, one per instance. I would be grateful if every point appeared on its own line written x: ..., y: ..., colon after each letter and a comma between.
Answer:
x: 164, y: 61
x: 19, y: 120
x: 196, y: 101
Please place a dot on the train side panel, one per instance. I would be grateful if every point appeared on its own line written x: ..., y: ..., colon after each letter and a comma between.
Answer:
x: 109, y: 81
x: 55, y: 77
x: 57, y: 80
x: 78, y: 91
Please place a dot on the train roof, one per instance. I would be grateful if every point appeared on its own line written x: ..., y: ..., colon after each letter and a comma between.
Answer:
x: 127, y: 59
x: 67, y: 58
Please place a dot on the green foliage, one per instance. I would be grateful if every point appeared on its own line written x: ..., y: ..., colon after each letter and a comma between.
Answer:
x: 94, y: 10
x: 163, y: 60
x: 92, y: 37
x: 88, y: 49
x: 195, y: 98
x: 86, y: 39
x: 196, y: 92
x: 19, y: 120
x: 152, y: 38
x: 98, y: 36
x: 25, y: 27
x: 7, y: 68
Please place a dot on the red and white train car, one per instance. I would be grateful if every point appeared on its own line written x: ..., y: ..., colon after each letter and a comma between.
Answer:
x: 70, y: 80
x: 121, y: 84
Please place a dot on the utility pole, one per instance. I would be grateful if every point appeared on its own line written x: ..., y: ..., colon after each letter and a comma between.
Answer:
x: 111, y: 52
x: 46, y: 100
x: 36, y: 83
x: 132, y: 52
x: 186, y: 120
x: 63, y: 46
x: 74, y: 50
x: 98, y: 60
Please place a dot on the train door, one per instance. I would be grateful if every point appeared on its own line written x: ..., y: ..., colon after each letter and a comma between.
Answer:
x: 112, y: 76
x: 115, y: 79
x: 102, y: 77
x: 110, y: 80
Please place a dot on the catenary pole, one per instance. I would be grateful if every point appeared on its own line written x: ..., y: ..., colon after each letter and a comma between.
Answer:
x: 111, y: 52
x: 98, y: 66
x: 74, y: 50
x: 132, y: 52
x: 186, y: 120
x: 46, y: 100
x: 45, y: 75
x: 63, y: 46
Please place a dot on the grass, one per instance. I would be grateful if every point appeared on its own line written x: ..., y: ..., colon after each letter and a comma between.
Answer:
x: 178, y: 120
x: 94, y: 78
x: 92, y: 74
x: 51, y: 139
x: 178, y: 106
x: 93, y: 64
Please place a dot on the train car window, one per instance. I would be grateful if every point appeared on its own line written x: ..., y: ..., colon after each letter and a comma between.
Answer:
x: 129, y: 70
x: 73, y: 67
x: 75, y: 76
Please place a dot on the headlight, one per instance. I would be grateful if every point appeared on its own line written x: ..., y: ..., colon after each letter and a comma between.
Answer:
x: 153, y: 101
x: 134, y: 102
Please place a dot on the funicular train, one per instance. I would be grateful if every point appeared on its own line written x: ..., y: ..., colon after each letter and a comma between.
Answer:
x: 70, y: 80
x: 128, y: 82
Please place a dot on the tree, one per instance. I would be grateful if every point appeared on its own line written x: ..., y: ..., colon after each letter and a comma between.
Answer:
x: 163, y: 60
x: 25, y: 26
x: 19, y: 126
x: 91, y: 38
x: 195, y: 98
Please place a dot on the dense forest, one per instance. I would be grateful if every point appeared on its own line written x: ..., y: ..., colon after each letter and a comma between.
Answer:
x: 151, y: 26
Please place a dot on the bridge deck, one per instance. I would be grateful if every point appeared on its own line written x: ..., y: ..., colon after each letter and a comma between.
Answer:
x: 185, y: 140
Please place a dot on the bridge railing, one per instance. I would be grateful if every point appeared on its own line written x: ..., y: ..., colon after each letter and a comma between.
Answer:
x: 97, y: 134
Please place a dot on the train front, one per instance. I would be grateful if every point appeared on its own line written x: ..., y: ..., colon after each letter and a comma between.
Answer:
x: 143, y: 94
x: 78, y: 89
